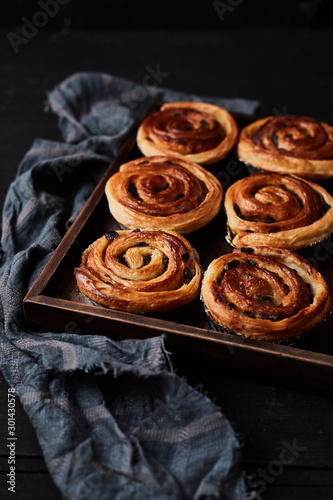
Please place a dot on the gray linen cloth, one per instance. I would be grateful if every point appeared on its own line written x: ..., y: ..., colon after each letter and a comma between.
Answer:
x: 113, y: 420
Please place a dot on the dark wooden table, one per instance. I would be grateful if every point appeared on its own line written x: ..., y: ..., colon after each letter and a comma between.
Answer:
x: 289, y: 72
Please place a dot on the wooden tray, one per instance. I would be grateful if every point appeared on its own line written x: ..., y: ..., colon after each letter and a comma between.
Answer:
x: 54, y: 302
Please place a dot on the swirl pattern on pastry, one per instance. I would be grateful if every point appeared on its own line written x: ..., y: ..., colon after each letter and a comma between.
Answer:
x: 140, y: 271
x: 161, y: 192
x: 265, y: 293
x: 277, y: 210
x: 193, y: 131
x: 289, y: 144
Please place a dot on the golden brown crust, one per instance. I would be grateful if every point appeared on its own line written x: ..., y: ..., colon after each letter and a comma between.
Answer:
x: 194, y: 131
x: 161, y: 192
x: 277, y: 210
x: 140, y: 271
x: 289, y: 144
x: 265, y: 293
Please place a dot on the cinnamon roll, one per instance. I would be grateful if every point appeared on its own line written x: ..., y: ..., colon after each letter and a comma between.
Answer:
x: 193, y: 131
x: 265, y: 293
x: 161, y: 192
x: 140, y: 271
x: 277, y: 210
x: 289, y: 144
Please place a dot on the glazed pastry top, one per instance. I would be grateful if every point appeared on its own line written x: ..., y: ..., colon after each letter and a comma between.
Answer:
x: 198, y: 132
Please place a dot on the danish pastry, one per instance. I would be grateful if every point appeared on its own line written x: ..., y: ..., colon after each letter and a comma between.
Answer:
x: 161, y: 192
x: 140, y: 271
x: 265, y: 293
x: 194, y: 131
x: 289, y: 144
x: 277, y: 210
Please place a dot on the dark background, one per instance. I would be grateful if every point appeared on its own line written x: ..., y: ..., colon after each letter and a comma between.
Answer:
x: 175, y: 14
x: 277, y: 52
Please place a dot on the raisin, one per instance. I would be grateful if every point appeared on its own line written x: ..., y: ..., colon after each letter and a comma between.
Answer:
x: 247, y: 250
x: 141, y: 244
x: 149, y: 139
x: 112, y: 235
x: 286, y: 289
x: 204, y: 123
x: 165, y: 261
x: 250, y: 263
x: 231, y: 306
x: 231, y: 265
x: 188, y: 275
x: 269, y: 219
x: 266, y: 299
x: 185, y: 257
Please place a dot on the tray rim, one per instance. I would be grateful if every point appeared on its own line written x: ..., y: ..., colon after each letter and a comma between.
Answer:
x: 36, y: 300
x: 182, y: 329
